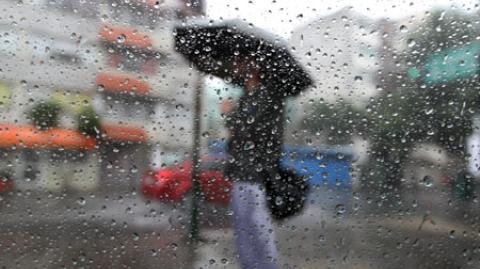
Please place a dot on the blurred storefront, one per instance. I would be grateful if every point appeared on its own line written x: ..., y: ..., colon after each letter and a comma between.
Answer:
x: 113, y: 56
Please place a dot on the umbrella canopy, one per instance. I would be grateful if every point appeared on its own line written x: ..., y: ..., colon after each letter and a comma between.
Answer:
x: 214, y: 47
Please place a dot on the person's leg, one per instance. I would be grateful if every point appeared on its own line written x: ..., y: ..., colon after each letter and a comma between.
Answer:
x: 253, y: 227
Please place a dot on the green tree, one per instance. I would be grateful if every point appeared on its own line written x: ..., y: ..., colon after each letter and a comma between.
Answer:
x: 416, y: 111
x: 88, y: 122
x: 44, y: 115
x: 449, y: 106
x: 412, y: 111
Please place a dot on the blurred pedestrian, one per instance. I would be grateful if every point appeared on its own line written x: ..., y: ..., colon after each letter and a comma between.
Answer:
x: 254, y: 146
x: 268, y: 72
x: 472, y: 175
x: 473, y: 150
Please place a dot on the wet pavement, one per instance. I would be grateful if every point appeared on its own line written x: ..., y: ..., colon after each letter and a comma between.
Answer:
x: 337, y: 230
x: 428, y: 233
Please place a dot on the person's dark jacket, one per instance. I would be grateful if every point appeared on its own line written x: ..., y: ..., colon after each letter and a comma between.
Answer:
x: 256, y: 136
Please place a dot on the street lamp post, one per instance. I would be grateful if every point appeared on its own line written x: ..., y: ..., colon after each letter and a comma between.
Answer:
x: 196, y: 191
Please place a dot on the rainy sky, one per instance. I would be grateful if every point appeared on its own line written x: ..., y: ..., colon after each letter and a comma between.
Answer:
x: 282, y: 16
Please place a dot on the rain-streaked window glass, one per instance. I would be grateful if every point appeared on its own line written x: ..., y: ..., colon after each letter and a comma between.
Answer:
x: 239, y: 134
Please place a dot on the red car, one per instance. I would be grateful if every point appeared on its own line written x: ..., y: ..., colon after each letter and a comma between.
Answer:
x: 173, y: 183
x: 6, y: 182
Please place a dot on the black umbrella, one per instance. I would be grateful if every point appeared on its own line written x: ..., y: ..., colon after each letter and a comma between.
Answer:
x: 213, y: 47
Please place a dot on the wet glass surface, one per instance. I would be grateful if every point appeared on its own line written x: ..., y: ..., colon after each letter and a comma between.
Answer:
x: 235, y: 134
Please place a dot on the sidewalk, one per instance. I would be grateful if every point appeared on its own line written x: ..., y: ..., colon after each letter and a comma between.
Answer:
x: 310, y: 241
x: 130, y: 231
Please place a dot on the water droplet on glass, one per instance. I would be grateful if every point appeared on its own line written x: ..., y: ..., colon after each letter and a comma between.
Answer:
x: 429, y: 111
x: 173, y: 246
x: 427, y: 181
x: 81, y: 201
x: 340, y: 209
x: 134, y: 169
x: 451, y: 234
x: 136, y: 237
x: 249, y: 145
x: 411, y: 42
x: 278, y: 200
x: 121, y: 38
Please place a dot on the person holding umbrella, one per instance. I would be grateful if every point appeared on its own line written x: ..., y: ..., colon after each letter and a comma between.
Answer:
x: 268, y: 73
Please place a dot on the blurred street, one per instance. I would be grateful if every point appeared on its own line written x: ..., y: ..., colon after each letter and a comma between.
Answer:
x: 336, y: 231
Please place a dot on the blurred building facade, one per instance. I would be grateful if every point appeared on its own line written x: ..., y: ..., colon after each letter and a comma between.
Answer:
x: 351, y: 57
x: 341, y: 51
x: 115, y: 56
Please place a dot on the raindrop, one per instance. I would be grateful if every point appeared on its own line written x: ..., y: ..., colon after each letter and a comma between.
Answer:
x: 249, y: 145
x: 309, y: 141
x: 403, y: 29
x: 174, y: 246
x: 451, y: 234
x: 81, y: 201
x: 411, y: 42
x: 340, y: 209
x: 358, y: 78
x: 427, y: 181
x: 121, y: 38
x: 429, y: 111
x: 278, y: 200
x: 136, y: 237
x: 134, y: 169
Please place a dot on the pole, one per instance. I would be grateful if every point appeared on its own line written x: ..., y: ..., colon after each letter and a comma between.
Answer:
x: 196, y: 191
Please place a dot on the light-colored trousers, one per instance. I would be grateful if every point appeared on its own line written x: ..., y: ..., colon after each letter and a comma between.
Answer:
x: 255, y: 238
